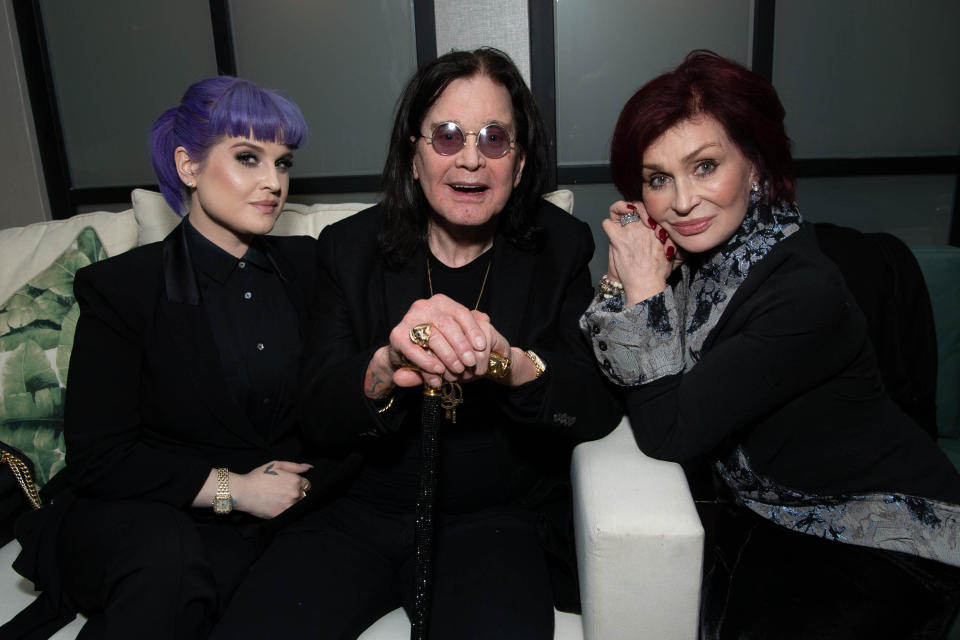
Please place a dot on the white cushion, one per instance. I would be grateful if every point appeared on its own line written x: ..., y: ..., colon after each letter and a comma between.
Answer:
x: 563, y: 198
x: 303, y: 220
x: 156, y: 219
x: 26, y: 251
x: 639, y: 542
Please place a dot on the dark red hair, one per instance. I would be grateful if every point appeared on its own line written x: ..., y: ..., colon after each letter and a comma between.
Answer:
x: 743, y: 103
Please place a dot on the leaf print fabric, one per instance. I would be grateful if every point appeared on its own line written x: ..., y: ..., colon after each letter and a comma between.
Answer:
x: 37, y: 324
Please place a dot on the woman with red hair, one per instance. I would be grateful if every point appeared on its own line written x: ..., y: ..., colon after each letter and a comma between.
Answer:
x: 737, y: 343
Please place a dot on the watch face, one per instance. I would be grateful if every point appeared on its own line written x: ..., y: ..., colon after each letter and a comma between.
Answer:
x: 222, y: 504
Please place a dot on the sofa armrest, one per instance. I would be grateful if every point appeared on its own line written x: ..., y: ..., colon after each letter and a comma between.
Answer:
x: 639, y: 542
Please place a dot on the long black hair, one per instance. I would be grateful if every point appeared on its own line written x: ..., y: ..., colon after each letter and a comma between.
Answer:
x: 405, y: 210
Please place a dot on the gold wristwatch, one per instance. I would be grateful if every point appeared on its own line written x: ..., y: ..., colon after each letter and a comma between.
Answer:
x: 223, y: 501
x: 537, y: 362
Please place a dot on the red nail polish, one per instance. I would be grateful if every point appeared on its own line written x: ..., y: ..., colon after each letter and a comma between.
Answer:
x: 631, y: 207
x: 670, y: 252
x: 663, y: 235
x: 653, y: 225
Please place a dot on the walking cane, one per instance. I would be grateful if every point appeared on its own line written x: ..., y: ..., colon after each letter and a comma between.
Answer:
x: 423, y: 534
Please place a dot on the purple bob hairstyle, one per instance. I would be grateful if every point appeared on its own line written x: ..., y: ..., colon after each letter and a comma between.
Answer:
x: 210, y: 110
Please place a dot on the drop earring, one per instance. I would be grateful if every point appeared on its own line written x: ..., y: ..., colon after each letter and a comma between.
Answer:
x: 755, y: 194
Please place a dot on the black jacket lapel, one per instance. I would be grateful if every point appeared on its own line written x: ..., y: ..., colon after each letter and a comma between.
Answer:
x: 511, y: 277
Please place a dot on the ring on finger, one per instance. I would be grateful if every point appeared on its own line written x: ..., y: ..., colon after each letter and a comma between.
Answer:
x: 627, y: 218
x: 420, y: 334
x: 498, y: 366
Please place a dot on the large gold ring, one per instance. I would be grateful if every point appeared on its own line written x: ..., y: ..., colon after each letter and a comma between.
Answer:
x: 420, y: 334
x: 498, y: 366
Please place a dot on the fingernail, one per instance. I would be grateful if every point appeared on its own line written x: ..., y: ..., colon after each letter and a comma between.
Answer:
x: 663, y: 235
x: 653, y: 225
x: 631, y: 207
x: 478, y: 343
x: 468, y: 359
x: 670, y: 252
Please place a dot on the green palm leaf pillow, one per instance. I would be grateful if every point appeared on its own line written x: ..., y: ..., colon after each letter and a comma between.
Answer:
x: 36, y: 336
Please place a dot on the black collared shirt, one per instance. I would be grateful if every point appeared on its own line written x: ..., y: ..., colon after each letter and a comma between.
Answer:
x: 255, y: 326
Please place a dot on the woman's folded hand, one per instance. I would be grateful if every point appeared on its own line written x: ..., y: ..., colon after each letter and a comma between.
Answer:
x: 642, y: 255
x: 270, y: 489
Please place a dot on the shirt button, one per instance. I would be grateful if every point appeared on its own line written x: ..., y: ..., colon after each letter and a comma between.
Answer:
x: 602, y: 345
x: 596, y: 330
x: 259, y: 346
x: 242, y: 264
x: 266, y: 401
x: 247, y: 295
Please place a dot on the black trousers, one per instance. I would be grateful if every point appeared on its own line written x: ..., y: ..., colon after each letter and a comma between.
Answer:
x: 762, y: 580
x: 336, y: 571
x: 146, y: 570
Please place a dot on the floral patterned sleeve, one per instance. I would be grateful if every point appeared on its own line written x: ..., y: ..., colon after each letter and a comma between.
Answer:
x: 638, y: 344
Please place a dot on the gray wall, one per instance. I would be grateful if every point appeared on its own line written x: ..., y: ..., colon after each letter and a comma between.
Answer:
x: 504, y: 23
x: 459, y: 25
x: 21, y: 177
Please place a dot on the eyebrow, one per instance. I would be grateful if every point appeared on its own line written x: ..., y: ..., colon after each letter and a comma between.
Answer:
x: 434, y: 125
x: 254, y: 145
x: 687, y: 158
x: 246, y: 143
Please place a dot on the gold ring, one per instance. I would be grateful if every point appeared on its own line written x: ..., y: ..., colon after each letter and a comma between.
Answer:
x: 406, y: 364
x: 498, y: 366
x: 420, y: 334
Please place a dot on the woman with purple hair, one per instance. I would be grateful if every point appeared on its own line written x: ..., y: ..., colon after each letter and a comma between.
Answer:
x: 183, y: 448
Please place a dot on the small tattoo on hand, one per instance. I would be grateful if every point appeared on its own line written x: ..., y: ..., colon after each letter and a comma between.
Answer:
x: 269, y: 470
x: 373, y: 387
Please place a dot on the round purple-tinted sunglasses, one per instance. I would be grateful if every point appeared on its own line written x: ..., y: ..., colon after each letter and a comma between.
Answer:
x: 493, y: 140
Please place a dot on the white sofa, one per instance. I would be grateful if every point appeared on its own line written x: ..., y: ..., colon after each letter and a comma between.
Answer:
x: 639, y: 541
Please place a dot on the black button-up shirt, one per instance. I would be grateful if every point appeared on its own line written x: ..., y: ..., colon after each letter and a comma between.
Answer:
x: 255, y: 326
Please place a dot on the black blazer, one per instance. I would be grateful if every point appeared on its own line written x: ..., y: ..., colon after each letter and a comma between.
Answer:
x: 147, y: 414
x: 535, y: 301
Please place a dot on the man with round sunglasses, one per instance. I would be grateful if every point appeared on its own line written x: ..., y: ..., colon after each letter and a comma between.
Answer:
x: 463, y: 279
